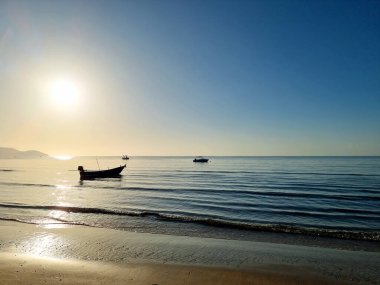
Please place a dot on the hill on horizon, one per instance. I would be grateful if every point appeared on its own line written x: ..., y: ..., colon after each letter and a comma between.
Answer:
x: 7, y: 152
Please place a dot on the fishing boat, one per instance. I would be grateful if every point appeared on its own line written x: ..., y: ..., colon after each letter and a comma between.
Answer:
x: 92, y: 174
x: 125, y: 157
x: 200, y: 159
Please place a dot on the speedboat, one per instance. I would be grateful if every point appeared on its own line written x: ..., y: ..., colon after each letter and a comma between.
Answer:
x: 200, y: 159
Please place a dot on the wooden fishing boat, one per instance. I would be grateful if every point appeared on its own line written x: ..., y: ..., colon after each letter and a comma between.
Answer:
x: 92, y: 174
x: 125, y: 157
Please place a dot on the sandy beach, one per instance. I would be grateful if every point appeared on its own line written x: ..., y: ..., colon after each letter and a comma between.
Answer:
x: 33, y: 254
x: 23, y: 269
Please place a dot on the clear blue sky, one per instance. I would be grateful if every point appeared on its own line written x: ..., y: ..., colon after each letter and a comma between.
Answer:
x: 193, y: 77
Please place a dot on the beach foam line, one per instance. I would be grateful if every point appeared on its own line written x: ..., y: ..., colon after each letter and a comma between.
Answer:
x: 203, y: 220
x: 48, y: 222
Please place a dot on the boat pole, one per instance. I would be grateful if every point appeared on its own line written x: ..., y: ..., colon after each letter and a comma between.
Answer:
x: 97, y: 163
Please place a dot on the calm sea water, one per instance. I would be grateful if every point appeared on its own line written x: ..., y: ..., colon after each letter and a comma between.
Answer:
x: 318, y: 196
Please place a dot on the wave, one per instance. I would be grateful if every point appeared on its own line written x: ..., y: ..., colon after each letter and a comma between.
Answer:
x: 142, y: 213
x: 254, y: 193
x: 292, y: 210
x: 59, y: 222
x: 27, y: 184
x: 205, y: 220
x: 277, y: 172
x: 369, y: 194
x: 70, y: 209
x: 323, y: 174
x: 283, y: 228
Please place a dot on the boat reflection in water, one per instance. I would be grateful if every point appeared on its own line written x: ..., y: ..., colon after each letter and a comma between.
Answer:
x: 108, y: 173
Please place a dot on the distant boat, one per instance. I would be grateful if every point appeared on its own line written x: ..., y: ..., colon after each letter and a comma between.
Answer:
x: 92, y: 174
x: 200, y: 159
x: 125, y: 157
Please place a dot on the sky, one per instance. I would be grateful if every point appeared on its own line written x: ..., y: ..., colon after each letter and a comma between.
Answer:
x: 195, y: 77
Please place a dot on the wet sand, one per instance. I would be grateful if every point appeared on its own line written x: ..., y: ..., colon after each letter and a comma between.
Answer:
x: 23, y: 269
x: 32, y: 254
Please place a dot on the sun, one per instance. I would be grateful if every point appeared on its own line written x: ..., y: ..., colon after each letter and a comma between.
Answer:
x: 64, y: 92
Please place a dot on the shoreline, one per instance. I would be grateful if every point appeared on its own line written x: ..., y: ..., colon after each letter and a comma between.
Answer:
x: 225, y: 233
x: 244, y: 260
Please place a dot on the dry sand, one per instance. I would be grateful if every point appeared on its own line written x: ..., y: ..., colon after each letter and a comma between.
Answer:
x: 81, y: 255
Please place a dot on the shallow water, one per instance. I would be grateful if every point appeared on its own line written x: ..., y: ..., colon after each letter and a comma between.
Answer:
x: 318, y: 196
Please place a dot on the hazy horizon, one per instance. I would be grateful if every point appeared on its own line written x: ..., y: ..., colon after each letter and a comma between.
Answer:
x: 174, y: 78
x: 65, y: 157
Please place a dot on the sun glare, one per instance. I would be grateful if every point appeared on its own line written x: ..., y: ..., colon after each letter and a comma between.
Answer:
x: 64, y: 92
x: 63, y: 157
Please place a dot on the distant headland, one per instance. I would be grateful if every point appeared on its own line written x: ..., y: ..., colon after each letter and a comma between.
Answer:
x: 7, y: 152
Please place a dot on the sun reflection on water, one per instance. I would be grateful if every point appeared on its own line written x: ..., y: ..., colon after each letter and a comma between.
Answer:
x: 57, y: 218
x: 55, y: 226
x: 63, y: 187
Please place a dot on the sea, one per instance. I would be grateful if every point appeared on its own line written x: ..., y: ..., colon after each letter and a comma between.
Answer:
x: 228, y: 197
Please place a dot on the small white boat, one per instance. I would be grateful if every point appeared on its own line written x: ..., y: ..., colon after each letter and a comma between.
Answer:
x: 200, y: 159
